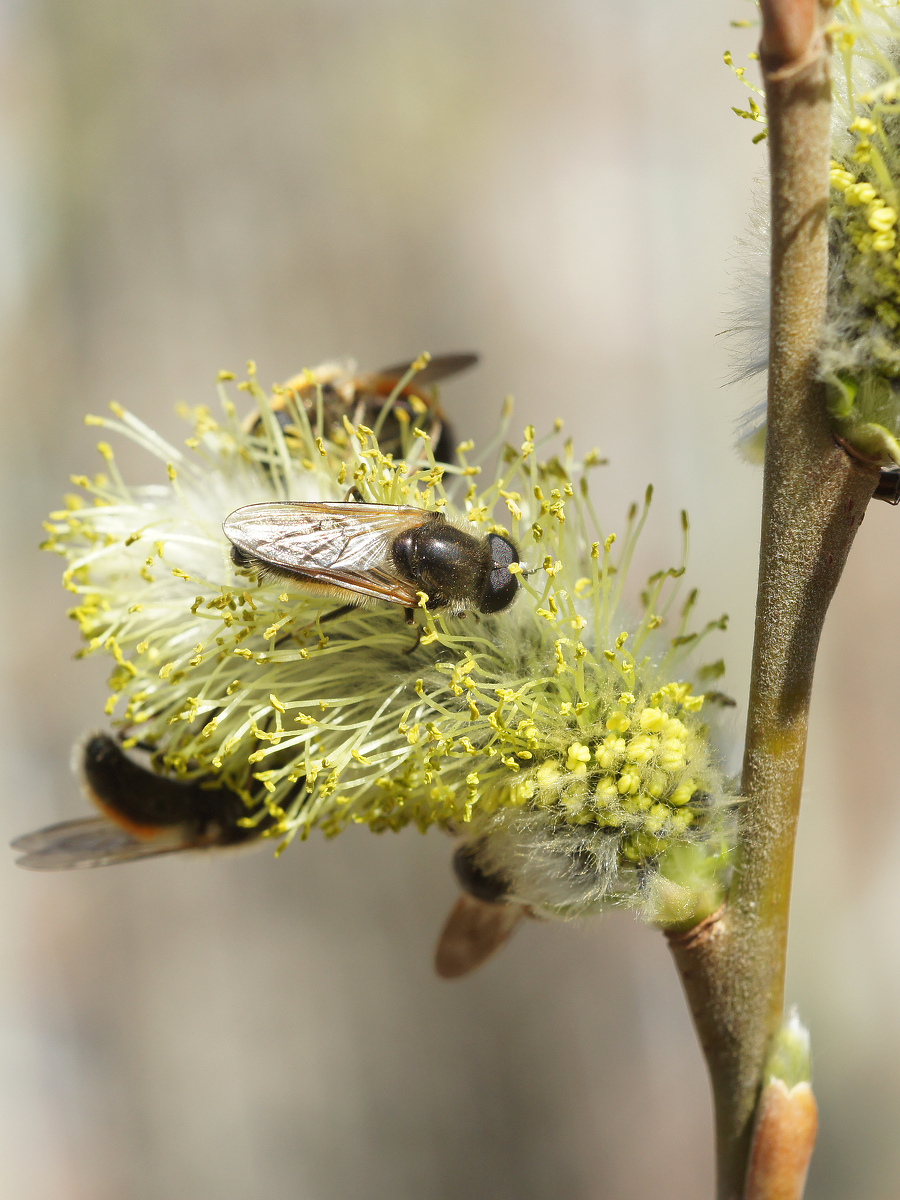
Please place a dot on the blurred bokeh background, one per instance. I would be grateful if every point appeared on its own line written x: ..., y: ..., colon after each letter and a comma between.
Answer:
x: 559, y: 184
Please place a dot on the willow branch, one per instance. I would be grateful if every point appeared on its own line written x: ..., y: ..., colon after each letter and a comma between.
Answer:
x: 814, y: 498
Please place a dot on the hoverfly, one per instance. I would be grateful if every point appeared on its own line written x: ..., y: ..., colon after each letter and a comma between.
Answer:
x: 144, y: 814
x: 361, y: 399
x: 483, y: 918
x: 362, y: 552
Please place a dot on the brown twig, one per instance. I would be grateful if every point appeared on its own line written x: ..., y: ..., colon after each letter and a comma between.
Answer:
x: 814, y: 498
x: 789, y: 30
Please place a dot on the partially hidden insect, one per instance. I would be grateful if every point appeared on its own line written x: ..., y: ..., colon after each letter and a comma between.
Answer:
x: 361, y: 398
x: 143, y: 815
x: 482, y: 919
x: 358, y: 553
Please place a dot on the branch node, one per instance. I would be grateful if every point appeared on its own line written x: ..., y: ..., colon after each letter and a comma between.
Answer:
x: 700, y: 934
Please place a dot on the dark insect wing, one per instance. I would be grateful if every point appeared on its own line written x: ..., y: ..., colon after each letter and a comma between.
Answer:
x: 440, y: 367
x: 90, y: 842
x: 474, y: 931
x: 334, y: 545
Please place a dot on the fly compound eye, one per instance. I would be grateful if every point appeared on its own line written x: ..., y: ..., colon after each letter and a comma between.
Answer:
x: 501, y: 586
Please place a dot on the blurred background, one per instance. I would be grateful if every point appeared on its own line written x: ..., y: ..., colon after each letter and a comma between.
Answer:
x: 558, y: 184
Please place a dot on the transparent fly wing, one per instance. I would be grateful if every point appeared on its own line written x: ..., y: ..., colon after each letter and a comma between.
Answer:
x: 474, y: 931
x: 306, y: 535
x: 89, y: 842
x: 335, y: 545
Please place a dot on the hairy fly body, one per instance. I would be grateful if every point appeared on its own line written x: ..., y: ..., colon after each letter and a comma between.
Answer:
x: 339, y: 393
x: 144, y: 815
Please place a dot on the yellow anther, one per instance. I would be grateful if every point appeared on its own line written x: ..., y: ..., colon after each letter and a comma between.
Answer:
x: 860, y: 193
x: 683, y: 793
x: 841, y: 179
x: 577, y: 757
x: 681, y: 819
x: 521, y: 792
x: 548, y: 774
x: 656, y: 782
x: 656, y: 818
x: 609, y: 752
x: 882, y: 218
x: 671, y: 756
x: 629, y: 781
x: 641, y: 749
x: 606, y: 790
x: 674, y: 728
x: 653, y: 720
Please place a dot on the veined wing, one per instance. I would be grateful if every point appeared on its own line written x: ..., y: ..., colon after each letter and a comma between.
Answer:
x: 329, y: 544
x: 89, y: 842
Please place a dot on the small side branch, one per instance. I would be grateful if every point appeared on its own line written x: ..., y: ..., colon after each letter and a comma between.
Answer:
x: 814, y: 498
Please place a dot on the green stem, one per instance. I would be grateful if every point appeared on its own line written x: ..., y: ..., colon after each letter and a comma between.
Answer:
x: 814, y: 498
